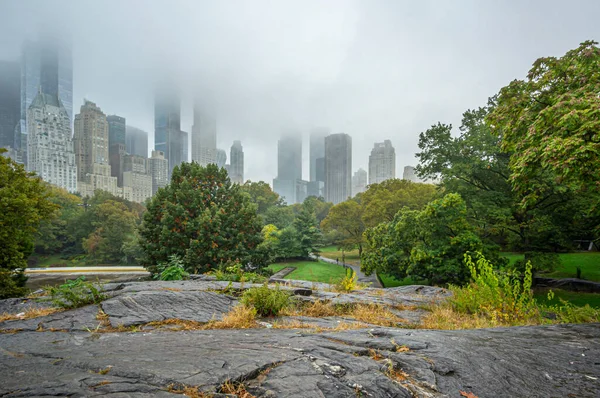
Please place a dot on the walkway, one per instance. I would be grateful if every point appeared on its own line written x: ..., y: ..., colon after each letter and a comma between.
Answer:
x: 86, y: 270
x: 371, y: 280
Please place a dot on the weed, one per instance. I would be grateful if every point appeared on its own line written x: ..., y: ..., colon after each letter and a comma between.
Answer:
x: 237, y: 389
x: 174, y: 270
x: 348, y: 283
x: 395, y: 374
x: 240, y: 317
x: 76, y: 293
x: 188, y: 391
x: 266, y: 301
x: 375, y: 355
x: 105, y: 370
x: 28, y: 314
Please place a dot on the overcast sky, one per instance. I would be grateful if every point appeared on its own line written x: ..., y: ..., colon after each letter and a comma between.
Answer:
x: 373, y: 69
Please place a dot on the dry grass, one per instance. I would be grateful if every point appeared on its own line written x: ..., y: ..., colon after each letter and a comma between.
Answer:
x: 237, y: 389
x: 102, y: 383
x: 294, y: 324
x: 29, y: 313
x: 445, y: 318
x: 375, y: 355
x: 188, y: 391
x: 240, y: 317
x: 396, y: 374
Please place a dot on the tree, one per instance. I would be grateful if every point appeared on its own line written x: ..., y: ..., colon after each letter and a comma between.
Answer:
x: 309, y: 235
x: 320, y: 207
x: 202, y: 217
x: 25, y: 203
x: 428, y: 244
x: 280, y: 216
x: 346, y: 219
x: 551, y: 123
x: 262, y: 195
x: 382, y: 201
x: 114, y: 226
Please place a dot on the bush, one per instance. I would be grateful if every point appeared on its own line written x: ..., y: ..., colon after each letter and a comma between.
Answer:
x: 266, y: 301
x: 12, y: 284
x: 541, y: 262
x: 568, y: 313
x: 348, y: 283
x: 501, y: 297
x: 232, y: 271
x: 172, y: 271
x: 76, y: 293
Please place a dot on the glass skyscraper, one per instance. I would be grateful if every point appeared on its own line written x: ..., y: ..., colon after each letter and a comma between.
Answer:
x: 10, y: 108
x: 168, y: 137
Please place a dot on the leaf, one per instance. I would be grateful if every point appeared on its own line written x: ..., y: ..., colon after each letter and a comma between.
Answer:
x: 468, y: 394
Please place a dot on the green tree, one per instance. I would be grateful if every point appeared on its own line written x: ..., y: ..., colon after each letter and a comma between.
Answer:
x: 262, y: 195
x: 551, y: 123
x: 114, y: 226
x: 280, y: 216
x: 202, y: 217
x: 427, y: 244
x: 347, y: 219
x: 25, y: 203
x: 320, y: 207
x: 309, y: 235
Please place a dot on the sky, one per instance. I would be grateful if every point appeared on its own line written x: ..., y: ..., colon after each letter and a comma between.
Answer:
x: 376, y: 69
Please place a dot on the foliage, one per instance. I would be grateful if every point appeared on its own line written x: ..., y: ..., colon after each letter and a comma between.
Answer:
x: 314, y: 271
x: 25, y: 203
x: 280, y: 216
x: 261, y: 194
x: 308, y: 234
x: 551, y: 123
x: 235, y: 273
x: 76, y: 293
x: 202, y: 217
x: 114, y: 225
x: 540, y: 262
x: 266, y: 301
x: 348, y: 283
x: 321, y: 208
x: 346, y: 219
x: 173, y: 270
x: 566, y: 312
x: 427, y: 244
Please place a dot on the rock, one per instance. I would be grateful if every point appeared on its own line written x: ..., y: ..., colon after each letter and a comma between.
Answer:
x: 16, y: 305
x: 573, y: 284
x: 511, y: 362
x: 147, y: 306
x: 302, y: 292
x: 83, y: 318
x: 202, y: 277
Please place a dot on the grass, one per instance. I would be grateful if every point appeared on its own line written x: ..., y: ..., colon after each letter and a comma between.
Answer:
x: 29, y: 313
x: 390, y: 281
x: 56, y: 260
x: 576, y: 298
x: 332, y: 252
x: 589, y: 262
x: 313, y: 271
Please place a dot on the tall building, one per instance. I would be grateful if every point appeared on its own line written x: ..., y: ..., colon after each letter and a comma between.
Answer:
x: 409, y: 174
x: 236, y: 159
x: 116, y: 130
x: 136, y: 141
x: 338, y: 167
x: 10, y: 103
x: 159, y: 170
x: 50, y: 146
x: 289, y: 166
x: 204, y: 134
x: 136, y: 178
x: 168, y: 136
x: 116, y: 158
x: 116, y: 146
x: 317, y: 151
x: 221, y: 157
x: 91, y: 151
x: 45, y: 65
x: 359, y: 182
x: 382, y: 162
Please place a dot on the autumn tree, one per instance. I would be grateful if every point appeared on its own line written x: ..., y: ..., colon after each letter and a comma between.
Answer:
x: 201, y: 217
x: 347, y: 219
x: 25, y: 204
x: 262, y: 195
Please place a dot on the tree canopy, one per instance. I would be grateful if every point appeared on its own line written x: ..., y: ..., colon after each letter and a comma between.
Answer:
x: 201, y: 217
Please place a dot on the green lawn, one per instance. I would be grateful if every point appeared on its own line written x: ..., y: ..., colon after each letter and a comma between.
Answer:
x: 332, y: 252
x: 314, y: 271
x: 56, y: 261
x: 576, y: 298
x: 589, y: 262
x: 390, y: 281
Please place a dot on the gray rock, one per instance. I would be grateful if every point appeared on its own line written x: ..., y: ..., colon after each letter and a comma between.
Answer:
x: 83, y: 318
x: 147, y: 306
x: 18, y: 305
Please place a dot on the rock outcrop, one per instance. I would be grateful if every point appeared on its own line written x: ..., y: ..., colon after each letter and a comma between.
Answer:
x: 71, y: 354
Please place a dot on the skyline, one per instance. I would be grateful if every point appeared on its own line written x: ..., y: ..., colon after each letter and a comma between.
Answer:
x: 375, y: 71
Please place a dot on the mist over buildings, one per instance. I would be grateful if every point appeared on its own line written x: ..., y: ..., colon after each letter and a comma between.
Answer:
x: 375, y: 70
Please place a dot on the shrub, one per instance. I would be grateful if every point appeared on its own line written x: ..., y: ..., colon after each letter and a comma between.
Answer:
x: 172, y: 271
x: 266, y: 301
x: 233, y: 271
x: 502, y: 297
x: 541, y: 262
x: 76, y: 293
x: 348, y: 283
x: 568, y: 313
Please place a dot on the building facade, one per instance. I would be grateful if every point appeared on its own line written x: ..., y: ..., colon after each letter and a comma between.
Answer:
x: 236, y: 167
x: 221, y: 158
x: 10, y: 103
x: 382, y: 162
x: 359, y: 182
x: 338, y: 167
x: 409, y: 174
x: 136, y: 141
x: 136, y: 177
x: 204, y: 134
x: 159, y: 170
x: 50, y: 147
x: 91, y: 151
x: 289, y: 167
x: 317, y: 151
x: 168, y: 137
x: 116, y: 130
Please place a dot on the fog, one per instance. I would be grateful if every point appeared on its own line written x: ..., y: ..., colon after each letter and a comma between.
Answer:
x: 373, y: 69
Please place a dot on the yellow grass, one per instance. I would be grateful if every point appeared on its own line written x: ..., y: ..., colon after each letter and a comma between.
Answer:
x: 445, y: 318
x: 188, y: 391
x: 237, y: 389
x: 29, y: 313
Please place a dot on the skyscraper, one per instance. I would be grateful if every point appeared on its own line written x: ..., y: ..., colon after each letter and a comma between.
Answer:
x: 382, y: 162
x: 289, y: 166
x: 221, y: 157
x: 236, y: 158
x: 168, y: 136
x: 10, y: 103
x: 338, y: 167
x: 45, y: 65
x: 409, y: 174
x: 50, y: 146
x: 204, y: 134
x: 91, y: 151
x: 136, y: 178
x: 317, y: 151
x: 116, y: 146
x: 159, y: 170
x: 136, y: 141
x: 116, y: 130
x: 359, y: 182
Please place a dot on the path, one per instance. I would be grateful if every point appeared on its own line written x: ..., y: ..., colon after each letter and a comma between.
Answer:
x: 362, y: 278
